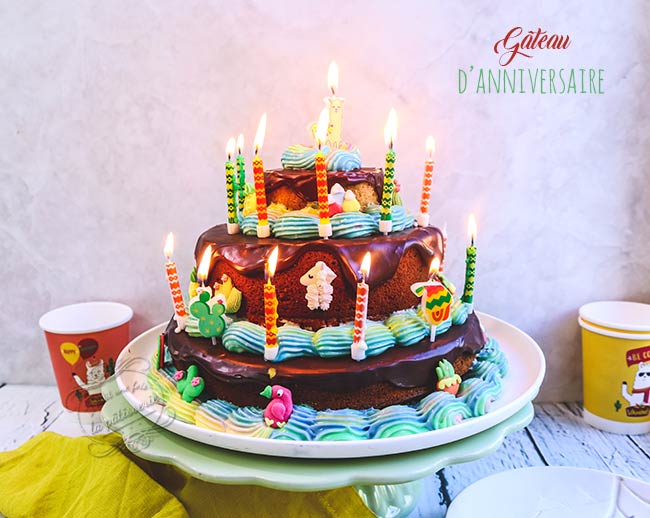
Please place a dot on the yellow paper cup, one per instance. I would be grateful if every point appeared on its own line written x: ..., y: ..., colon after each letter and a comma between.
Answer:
x: 616, y: 365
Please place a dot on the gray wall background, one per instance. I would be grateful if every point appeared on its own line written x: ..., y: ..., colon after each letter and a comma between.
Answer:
x: 114, y: 117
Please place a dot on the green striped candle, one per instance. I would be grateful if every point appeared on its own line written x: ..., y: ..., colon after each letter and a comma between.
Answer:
x: 390, y: 131
x: 241, y: 172
x: 470, y: 263
x: 233, y: 221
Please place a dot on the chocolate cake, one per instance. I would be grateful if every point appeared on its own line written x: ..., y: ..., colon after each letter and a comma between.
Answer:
x: 326, y: 295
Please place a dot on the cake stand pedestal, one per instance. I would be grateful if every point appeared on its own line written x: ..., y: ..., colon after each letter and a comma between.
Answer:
x: 389, y: 485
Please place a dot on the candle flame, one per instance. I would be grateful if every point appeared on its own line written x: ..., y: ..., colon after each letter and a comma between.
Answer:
x: 230, y: 147
x: 390, y: 130
x: 435, y: 266
x: 365, y: 266
x: 271, y: 264
x: 259, y: 136
x: 333, y: 77
x: 431, y: 145
x: 471, y: 227
x: 323, y: 123
x: 169, y: 246
x: 204, y: 265
x: 240, y: 143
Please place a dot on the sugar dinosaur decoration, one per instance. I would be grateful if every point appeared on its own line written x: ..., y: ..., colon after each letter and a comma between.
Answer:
x: 318, y: 281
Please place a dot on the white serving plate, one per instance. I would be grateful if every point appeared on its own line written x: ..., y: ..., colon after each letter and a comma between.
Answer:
x: 554, y: 492
x: 521, y: 385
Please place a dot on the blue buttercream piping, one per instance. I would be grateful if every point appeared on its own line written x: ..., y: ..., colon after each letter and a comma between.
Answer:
x: 436, y: 410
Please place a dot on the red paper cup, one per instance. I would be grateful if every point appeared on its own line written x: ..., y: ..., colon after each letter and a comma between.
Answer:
x: 84, y: 341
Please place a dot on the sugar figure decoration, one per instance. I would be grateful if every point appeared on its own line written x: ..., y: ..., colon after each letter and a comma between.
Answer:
x: 189, y: 384
x: 318, y: 281
x: 208, y: 310
x: 436, y: 300
x: 280, y: 408
x: 209, y: 314
x: 448, y: 380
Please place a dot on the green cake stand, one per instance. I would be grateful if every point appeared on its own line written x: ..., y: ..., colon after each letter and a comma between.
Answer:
x: 389, y: 485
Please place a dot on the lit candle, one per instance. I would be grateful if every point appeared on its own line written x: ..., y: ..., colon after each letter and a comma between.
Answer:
x: 436, y: 299
x: 423, y: 216
x: 470, y: 262
x: 359, y: 346
x: 206, y: 309
x: 324, y: 226
x: 241, y: 171
x: 263, y: 229
x: 435, y: 273
x: 271, y: 309
x: 233, y: 222
x: 335, y: 106
x: 203, y: 270
x: 444, y: 246
x: 180, y: 315
x: 390, y: 133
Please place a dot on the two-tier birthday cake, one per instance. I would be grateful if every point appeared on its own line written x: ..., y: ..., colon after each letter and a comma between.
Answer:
x: 319, y: 311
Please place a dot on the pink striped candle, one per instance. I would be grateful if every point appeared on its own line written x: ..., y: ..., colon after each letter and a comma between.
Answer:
x: 427, y: 179
x: 359, y: 346
x: 180, y: 315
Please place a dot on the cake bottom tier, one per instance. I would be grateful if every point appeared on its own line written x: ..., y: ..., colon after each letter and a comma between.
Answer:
x: 399, y: 375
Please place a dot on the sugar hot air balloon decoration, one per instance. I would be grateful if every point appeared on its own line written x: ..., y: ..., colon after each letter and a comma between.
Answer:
x: 436, y: 299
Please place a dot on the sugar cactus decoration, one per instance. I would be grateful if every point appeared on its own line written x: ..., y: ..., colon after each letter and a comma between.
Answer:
x: 448, y: 380
x: 211, y: 321
x: 189, y: 384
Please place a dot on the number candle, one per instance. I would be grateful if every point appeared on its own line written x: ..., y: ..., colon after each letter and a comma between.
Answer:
x: 335, y: 105
x: 241, y: 170
x: 390, y: 132
x: 359, y: 346
x: 263, y: 229
x: 423, y: 216
x: 233, y: 222
x: 470, y: 261
x: 324, y: 226
x: 180, y: 315
x: 271, y: 309
x: 444, y: 246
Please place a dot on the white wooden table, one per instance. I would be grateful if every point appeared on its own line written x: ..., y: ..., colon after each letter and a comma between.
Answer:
x: 556, y: 437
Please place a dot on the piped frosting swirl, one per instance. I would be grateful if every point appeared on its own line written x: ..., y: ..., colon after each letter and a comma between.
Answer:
x: 304, y: 157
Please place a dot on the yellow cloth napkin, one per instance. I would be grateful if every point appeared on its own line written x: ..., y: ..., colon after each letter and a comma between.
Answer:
x: 56, y: 476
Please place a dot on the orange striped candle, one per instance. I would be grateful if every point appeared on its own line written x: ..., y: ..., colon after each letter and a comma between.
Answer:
x: 324, y: 226
x: 271, y: 309
x: 423, y: 216
x: 359, y: 346
x: 180, y: 315
x: 263, y: 229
